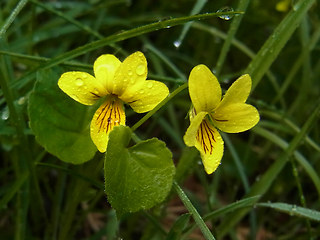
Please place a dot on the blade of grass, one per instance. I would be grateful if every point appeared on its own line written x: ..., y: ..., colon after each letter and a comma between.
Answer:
x: 237, y: 162
x: 197, y: 218
x: 113, y: 39
x: 293, y: 210
x: 195, y: 10
x: 263, y: 185
x: 12, y: 17
x: 242, y: 6
x: 299, y: 157
x: 274, y: 44
x: 13, y: 190
x: 298, y: 63
x: 243, y: 203
x: 166, y: 60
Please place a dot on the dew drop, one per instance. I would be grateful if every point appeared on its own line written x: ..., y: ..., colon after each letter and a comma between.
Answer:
x: 130, y: 72
x: 150, y: 85
x: 177, y: 43
x: 5, y: 114
x: 141, y: 91
x: 225, y: 9
x: 79, y: 82
x: 21, y: 100
x: 140, y: 70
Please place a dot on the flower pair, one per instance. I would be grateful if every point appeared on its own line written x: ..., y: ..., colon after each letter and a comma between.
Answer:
x: 125, y: 82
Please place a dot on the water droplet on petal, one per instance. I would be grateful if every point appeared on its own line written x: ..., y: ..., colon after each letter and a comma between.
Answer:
x: 141, y: 69
x: 130, y: 72
x: 79, y: 82
x: 225, y: 9
x: 150, y: 85
x: 141, y: 91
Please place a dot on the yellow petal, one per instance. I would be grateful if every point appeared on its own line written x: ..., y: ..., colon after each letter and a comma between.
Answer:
x: 191, y: 133
x: 82, y: 87
x: 234, y: 118
x: 238, y: 92
x: 109, y: 115
x: 149, y: 96
x: 104, y: 68
x: 210, y: 144
x: 204, y: 89
x: 130, y: 75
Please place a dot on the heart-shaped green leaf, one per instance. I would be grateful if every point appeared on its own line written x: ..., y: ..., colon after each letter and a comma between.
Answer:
x: 138, y: 177
x: 60, y: 124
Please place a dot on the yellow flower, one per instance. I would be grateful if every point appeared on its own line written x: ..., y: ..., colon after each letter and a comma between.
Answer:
x: 231, y: 114
x: 283, y: 5
x: 119, y: 82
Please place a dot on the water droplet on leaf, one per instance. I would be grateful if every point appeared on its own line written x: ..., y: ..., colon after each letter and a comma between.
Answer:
x: 21, y: 100
x: 225, y: 9
x: 5, y: 114
x: 177, y: 43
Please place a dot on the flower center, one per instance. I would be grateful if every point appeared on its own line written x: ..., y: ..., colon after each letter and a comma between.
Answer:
x: 205, y: 136
x: 111, y: 114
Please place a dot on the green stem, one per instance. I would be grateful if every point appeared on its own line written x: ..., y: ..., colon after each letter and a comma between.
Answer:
x: 300, y: 190
x: 196, y: 216
x: 243, y: 4
x: 116, y: 38
x: 13, y: 15
x: 161, y: 104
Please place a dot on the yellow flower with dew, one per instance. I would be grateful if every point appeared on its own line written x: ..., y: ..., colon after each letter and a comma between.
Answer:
x: 118, y: 82
x: 230, y: 114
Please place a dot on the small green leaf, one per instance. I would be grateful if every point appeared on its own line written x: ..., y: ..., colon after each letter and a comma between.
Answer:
x: 60, y: 124
x: 138, y: 177
x: 293, y: 210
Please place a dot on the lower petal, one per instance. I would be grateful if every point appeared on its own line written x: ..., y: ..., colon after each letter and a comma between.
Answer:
x: 109, y: 115
x: 211, y: 145
x: 235, y: 118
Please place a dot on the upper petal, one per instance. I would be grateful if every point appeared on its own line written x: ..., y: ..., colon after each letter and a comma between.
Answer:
x: 104, y: 68
x: 82, y: 87
x: 210, y: 144
x: 108, y: 115
x: 204, y: 89
x: 234, y: 118
x: 130, y: 75
x: 149, y: 96
x: 238, y: 92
